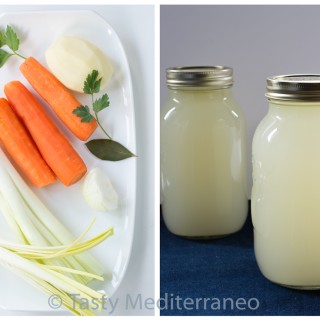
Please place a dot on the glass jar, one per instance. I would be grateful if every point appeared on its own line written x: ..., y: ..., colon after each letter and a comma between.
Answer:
x: 286, y: 183
x: 203, y: 154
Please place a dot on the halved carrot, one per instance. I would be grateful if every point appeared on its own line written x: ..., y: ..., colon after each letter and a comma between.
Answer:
x: 21, y: 147
x: 57, y: 96
x: 54, y: 147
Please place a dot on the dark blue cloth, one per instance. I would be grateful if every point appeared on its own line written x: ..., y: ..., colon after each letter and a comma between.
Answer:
x: 221, y: 269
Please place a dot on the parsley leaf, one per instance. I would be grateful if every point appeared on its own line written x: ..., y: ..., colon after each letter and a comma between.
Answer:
x: 4, y: 56
x: 83, y: 112
x: 101, y: 103
x: 105, y: 149
x: 2, y: 40
x: 11, y: 39
x: 92, y: 83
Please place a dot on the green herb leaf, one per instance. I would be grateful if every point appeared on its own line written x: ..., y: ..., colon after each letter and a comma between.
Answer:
x: 92, y: 83
x: 11, y: 39
x: 2, y: 40
x: 106, y: 149
x: 83, y: 112
x: 101, y: 103
x: 4, y: 56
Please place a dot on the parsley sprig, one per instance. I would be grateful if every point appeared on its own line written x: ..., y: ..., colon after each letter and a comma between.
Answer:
x: 92, y: 86
x: 105, y: 149
x: 9, y: 38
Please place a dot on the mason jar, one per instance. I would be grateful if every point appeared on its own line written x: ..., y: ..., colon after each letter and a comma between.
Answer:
x: 203, y: 154
x: 286, y: 183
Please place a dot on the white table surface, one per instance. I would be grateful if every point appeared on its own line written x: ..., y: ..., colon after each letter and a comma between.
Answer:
x: 135, y: 27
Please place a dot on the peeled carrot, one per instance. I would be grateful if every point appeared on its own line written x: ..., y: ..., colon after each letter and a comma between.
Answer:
x: 57, y: 96
x: 54, y: 147
x: 21, y: 147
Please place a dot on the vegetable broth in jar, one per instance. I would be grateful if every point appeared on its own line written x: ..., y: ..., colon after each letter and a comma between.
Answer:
x: 286, y: 184
x: 203, y: 154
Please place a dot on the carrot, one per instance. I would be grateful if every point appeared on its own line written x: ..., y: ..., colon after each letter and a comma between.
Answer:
x: 21, y: 147
x: 54, y: 147
x: 57, y: 96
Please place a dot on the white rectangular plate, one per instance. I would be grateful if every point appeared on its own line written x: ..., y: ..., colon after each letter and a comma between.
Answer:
x: 37, y: 30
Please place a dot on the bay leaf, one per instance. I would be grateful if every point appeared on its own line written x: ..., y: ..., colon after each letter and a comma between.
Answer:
x: 106, y: 149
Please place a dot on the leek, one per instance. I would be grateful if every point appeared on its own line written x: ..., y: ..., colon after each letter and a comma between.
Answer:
x: 34, y: 224
x: 44, y: 253
x: 51, y: 281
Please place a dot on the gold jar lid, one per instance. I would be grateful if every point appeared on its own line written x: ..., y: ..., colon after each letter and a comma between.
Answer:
x: 302, y: 87
x: 210, y: 77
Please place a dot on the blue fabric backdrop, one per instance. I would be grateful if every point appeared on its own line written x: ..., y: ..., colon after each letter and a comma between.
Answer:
x: 221, y: 269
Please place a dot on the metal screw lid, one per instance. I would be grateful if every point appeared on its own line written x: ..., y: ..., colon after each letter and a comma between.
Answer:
x: 304, y: 87
x: 210, y: 77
